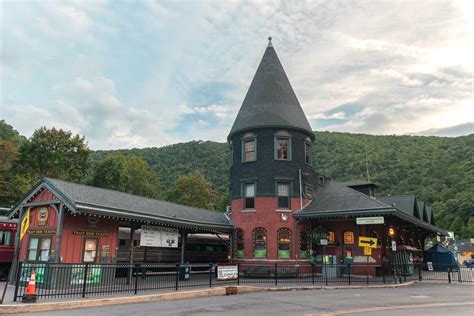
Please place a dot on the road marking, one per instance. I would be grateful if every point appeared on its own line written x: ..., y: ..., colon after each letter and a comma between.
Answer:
x: 393, y: 307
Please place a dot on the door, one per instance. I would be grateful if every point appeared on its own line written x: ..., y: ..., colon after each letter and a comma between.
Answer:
x: 90, y: 249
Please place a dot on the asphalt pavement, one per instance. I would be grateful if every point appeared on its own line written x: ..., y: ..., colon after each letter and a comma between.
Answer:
x: 419, y: 299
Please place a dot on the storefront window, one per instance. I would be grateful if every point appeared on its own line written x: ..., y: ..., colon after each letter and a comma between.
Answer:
x: 259, y: 243
x: 239, y: 238
x: 284, y: 243
x: 303, y: 244
x: 90, y: 250
x: 348, y: 238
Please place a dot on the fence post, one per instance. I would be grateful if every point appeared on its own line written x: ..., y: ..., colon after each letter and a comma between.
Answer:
x: 86, y: 269
x: 349, y: 272
x: 449, y: 275
x: 312, y: 271
x: 383, y: 272
x: 420, y: 272
x: 238, y: 273
x: 325, y: 272
x: 210, y: 274
x: 177, y: 276
x: 137, y: 268
x: 459, y: 274
x: 17, y: 281
x: 276, y: 274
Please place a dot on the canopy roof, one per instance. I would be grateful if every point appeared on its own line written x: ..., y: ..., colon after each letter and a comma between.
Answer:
x: 270, y: 100
x: 94, y: 200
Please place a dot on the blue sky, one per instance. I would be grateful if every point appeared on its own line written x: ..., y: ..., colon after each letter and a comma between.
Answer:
x: 150, y: 73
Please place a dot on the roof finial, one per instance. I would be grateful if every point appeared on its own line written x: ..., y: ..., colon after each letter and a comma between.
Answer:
x: 270, y: 41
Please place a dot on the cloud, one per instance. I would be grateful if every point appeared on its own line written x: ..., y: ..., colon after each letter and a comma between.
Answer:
x: 451, y: 131
x: 135, y: 74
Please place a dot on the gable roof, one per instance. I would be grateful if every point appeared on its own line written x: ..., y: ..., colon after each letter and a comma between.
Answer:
x: 422, y: 209
x: 405, y: 203
x: 270, y: 100
x: 94, y: 200
x: 358, y: 183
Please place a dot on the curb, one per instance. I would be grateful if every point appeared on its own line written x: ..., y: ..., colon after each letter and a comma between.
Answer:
x: 217, y: 291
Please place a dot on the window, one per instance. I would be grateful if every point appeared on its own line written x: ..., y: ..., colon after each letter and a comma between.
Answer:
x: 348, y: 238
x: 249, y: 150
x: 309, y: 191
x: 5, y: 236
x: 307, y: 152
x: 303, y: 244
x: 321, y: 181
x: 283, y: 192
x: 122, y: 242
x: 249, y: 195
x: 259, y: 243
x: 331, y: 237
x: 282, y: 148
x: 38, y: 249
x: 284, y: 243
x: 90, y: 249
x: 239, y: 240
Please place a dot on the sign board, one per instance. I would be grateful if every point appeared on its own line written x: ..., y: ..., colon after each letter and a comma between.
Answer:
x: 369, y: 220
x: 430, y: 266
x: 367, y: 251
x: 25, y: 224
x: 324, y: 242
x: 367, y: 242
x: 156, y: 236
x: 394, y: 245
x: 227, y: 273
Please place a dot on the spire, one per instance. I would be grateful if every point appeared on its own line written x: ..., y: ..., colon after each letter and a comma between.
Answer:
x: 270, y: 100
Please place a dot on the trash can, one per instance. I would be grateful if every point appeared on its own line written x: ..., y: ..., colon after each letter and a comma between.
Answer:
x: 184, y: 272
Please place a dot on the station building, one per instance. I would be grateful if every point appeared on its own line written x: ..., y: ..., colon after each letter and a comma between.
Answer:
x: 285, y: 211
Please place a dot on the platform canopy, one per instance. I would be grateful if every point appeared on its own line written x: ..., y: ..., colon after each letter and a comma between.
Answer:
x: 79, y: 198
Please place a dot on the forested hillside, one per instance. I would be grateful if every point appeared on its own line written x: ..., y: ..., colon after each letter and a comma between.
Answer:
x: 439, y: 170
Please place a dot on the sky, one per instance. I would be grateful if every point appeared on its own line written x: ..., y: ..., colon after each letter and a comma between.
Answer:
x: 128, y: 74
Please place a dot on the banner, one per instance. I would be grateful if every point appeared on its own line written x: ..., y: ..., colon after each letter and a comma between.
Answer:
x: 156, y: 236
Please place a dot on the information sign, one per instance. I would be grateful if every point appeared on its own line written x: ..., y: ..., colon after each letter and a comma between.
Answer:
x: 394, y: 245
x: 156, y: 236
x: 227, y: 273
x: 370, y: 220
x: 367, y: 242
x: 367, y: 251
x: 324, y: 242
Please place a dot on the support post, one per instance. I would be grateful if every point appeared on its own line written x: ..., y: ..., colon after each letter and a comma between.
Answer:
x: 59, y: 232
x: 86, y: 271
x: 184, y: 234
x: 210, y: 274
x: 449, y: 275
x: 276, y: 274
x: 16, y: 253
x: 130, y: 273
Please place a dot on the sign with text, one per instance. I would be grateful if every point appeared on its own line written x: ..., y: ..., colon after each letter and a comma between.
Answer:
x: 227, y: 273
x: 369, y: 220
x: 90, y: 234
x: 156, y: 236
x: 367, y: 242
x: 394, y: 245
x: 367, y: 251
x: 324, y: 242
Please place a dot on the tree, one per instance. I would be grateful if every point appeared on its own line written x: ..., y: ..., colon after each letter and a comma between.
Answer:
x: 193, y: 190
x: 128, y: 174
x: 55, y: 153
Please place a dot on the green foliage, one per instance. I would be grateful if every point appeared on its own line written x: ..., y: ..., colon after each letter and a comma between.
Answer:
x: 128, y: 174
x: 193, y: 190
x: 55, y: 153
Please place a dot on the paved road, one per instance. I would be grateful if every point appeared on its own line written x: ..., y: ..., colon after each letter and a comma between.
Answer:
x: 419, y: 299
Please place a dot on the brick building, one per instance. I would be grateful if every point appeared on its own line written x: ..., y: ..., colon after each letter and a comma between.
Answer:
x: 284, y: 210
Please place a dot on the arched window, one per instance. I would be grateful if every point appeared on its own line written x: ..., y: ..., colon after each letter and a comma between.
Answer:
x: 259, y: 243
x: 303, y: 244
x: 331, y: 237
x: 348, y: 238
x: 284, y: 243
x: 239, y: 241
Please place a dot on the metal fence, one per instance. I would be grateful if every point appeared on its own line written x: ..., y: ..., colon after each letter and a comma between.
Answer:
x: 62, y: 280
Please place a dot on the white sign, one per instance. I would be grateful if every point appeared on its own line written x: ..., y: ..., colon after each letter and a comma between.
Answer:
x: 227, y: 273
x: 394, y: 245
x: 430, y: 266
x: 324, y: 242
x: 370, y: 220
x: 156, y: 236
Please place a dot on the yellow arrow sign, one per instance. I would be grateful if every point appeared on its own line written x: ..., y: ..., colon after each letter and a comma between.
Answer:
x: 25, y: 224
x: 367, y: 242
x: 367, y: 251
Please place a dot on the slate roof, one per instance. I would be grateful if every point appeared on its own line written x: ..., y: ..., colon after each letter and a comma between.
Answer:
x: 338, y: 198
x: 270, y: 100
x: 405, y: 203
x: 83, y: 198
x: 357, y: 183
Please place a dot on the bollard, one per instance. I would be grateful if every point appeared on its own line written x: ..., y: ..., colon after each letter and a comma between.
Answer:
x: 449, y: 275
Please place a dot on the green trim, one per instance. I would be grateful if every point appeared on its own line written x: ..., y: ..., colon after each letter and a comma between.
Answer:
x: 275, y: 155
x: 283, y: 254
x: 260, y: 253
x: 242, y: 147
x: 303, y: 254
x: 240, y: 253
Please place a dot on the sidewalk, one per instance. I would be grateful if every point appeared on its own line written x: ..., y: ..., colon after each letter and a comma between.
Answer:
x: 15, y: 308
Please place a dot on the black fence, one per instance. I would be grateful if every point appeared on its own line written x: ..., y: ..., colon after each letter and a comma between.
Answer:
x: 62, y: 280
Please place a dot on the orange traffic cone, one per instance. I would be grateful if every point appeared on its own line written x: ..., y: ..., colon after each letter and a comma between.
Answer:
x: 30, y: 294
